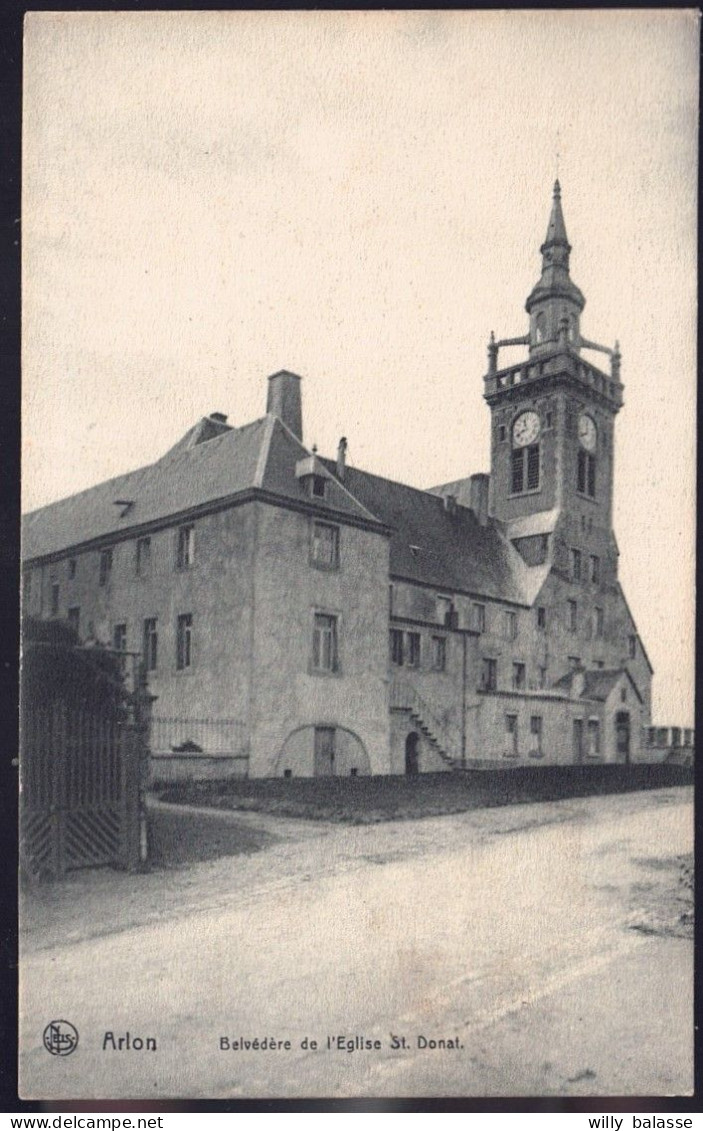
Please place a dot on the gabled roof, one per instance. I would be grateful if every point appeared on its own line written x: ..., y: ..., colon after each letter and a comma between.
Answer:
x: 451, y: 552
x: 260, y: 456
x: 621, y: 591
x: 598, y: 683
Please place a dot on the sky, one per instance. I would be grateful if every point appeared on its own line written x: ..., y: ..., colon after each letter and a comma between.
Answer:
x: 360, y: 197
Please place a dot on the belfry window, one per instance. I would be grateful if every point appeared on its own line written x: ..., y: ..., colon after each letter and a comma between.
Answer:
x: 586, y: 480
x: 525, y: 469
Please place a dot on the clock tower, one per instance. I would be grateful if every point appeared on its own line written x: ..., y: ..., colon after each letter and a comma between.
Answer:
x: 552, y: 423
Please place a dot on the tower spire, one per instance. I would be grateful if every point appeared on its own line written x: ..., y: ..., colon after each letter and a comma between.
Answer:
x: 556, y: 230
x: 555, y: 302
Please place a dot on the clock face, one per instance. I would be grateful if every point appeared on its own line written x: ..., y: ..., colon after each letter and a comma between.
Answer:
x: 526, y: 429
x: 587, y: 432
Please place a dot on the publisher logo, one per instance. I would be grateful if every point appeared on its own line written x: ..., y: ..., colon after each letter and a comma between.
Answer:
x: 60, y: 1038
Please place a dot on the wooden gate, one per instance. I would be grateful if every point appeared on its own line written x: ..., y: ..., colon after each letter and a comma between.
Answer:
x: 80, y: 789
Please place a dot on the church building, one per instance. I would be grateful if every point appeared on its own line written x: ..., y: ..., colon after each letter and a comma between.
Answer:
x: 298, y: 616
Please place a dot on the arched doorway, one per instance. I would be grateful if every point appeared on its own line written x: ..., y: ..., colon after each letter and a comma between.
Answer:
x: 412, y: 755
x: 622, y: 736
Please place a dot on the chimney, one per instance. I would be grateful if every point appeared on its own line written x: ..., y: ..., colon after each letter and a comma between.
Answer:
x: 220, y: 417
x: 450, y: 504
x: 478, y: 496
x: 341, y: 457
x: 284, y: 401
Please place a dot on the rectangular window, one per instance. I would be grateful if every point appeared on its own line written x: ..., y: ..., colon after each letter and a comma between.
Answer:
x: 74, y: 618
x: 586, y: 474
x: 511, y: 731
x: 150, y: 644
x: 184, y: 638
x: 397, y: 647
x: 541, y: 677
x: 510, y: 625
x: 536, y: 732
x: 593, y: 737
x: 71, y: 568
x: 439, y: 653
x: 489, y: 674
x: 325, y: 545
x: 525, y: 469
x: 105, y: 566
x: 478, y: 618
x: 186, y: 547
x: 595, y: 569
x: 324, y: 643
x: 597, y: 622
x: 532, y: 467
x: 518, y: 677
x: 391, y: 594
x: 591, y: 477
x: 319, y: 486
x: 517, y: 479
x: 651, y: 736
x: 142, y: 565
x: 501, y: 432
x: 676, y: 736
x: 445, y: 611
x: 54, y: 600
x: 576, y: 565
x: 632, y: 647
x: 541, y: 617
x: 413, y: 650
x: 573, y: 616
x: 574, y: 662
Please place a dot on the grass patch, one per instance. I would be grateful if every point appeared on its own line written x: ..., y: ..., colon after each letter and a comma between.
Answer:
x: 371, y: 799
x: 179, y: 839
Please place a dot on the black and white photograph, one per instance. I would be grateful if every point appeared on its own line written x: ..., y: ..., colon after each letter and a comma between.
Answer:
x: 358, y: 493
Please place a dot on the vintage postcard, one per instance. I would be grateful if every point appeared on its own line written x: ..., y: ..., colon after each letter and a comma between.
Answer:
x: 358, y: 488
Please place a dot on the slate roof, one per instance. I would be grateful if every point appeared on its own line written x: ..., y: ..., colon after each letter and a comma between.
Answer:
x: 451, y: 551
x: 262, y: 455
x: 598, y: 684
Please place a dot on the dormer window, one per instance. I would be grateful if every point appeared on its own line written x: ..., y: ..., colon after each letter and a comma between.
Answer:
x: 313, y: 476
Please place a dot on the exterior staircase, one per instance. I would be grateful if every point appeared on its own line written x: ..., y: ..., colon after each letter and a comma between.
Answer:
x: 445, y: 740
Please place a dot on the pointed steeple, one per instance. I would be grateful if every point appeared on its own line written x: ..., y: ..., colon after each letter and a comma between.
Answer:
x: 555, y: 302
x: 556, y: 231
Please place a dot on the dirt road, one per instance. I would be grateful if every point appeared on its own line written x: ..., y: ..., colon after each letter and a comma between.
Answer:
x: 533, y: 941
